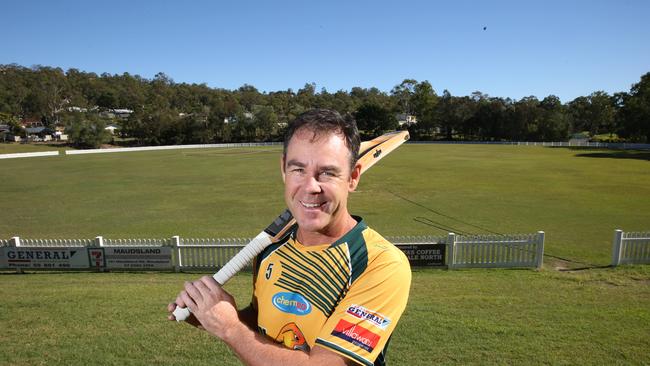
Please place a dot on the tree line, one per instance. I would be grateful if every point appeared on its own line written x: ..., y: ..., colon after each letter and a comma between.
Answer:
x: 166, y: 112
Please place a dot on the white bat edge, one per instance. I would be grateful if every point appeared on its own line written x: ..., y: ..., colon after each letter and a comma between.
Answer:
x: 234, y: 265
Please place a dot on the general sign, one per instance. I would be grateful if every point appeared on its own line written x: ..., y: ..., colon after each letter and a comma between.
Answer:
x: 429, y: 255
x: 55, y: 258
x: 3, y: 258
x: 138, y: 257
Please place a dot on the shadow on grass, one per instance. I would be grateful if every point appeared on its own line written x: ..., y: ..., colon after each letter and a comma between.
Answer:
x: 591, y: 152
x: 638, y: 155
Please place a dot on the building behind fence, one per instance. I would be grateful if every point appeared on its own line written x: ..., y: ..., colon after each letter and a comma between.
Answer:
x: 185, y: 254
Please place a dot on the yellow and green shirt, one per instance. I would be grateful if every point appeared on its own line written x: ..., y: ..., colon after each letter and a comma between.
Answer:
x: 347, y: 296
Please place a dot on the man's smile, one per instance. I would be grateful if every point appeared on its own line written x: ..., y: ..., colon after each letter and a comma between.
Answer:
x: 311, y: 204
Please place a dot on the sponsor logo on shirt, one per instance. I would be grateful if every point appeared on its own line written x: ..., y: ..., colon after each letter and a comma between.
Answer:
x: 292, y: 303
x: 375, y: 318
x: 356, y: 334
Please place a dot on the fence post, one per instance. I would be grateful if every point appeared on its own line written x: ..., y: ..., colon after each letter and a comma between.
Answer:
x: 16, y: 242
x: 617, y: 247
x: 451, y: 249
x: 176, y: 242
x: 540, y: 250
x: 99, y: 241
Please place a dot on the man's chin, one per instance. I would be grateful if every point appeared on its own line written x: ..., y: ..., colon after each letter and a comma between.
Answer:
x: 311, y: 224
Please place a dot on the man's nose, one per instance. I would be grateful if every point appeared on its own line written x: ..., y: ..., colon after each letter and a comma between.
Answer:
x: 312, y: 185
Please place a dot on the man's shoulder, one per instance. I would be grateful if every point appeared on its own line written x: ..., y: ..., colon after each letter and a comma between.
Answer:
x: 379, y: 247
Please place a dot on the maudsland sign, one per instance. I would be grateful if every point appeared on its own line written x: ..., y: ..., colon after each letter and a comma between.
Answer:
x: 23, y: 257
x: 138, y: 257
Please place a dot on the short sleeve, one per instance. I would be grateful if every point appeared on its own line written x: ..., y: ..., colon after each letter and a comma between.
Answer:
x: 364, y: 320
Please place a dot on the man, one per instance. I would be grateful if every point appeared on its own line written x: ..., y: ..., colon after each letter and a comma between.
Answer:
x: 332, y: 292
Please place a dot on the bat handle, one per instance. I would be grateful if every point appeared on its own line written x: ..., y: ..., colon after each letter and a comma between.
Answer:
x: 181, y: 313
x: 234, y: 265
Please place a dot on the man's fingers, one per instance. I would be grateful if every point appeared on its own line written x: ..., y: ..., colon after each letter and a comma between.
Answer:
x: 192, y: 291
x: 211, y: 283
x: 188, y: 301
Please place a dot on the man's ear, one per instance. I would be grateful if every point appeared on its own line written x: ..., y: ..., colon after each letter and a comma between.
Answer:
x: 355, y: 175
x: 282, y: 160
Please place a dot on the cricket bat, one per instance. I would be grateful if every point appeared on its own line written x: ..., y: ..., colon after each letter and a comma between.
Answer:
x: 370, y: 152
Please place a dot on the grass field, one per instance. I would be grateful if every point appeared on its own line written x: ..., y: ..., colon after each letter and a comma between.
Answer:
x: 12, y: 148
x: 479, y: 317
x: 578, y: 197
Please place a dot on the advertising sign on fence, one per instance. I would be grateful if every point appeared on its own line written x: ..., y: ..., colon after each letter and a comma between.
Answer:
x: 424, y: 255
x: 3, y: 258
x: 55, y: 258
x: 138, y: 257
x: 96, y: 257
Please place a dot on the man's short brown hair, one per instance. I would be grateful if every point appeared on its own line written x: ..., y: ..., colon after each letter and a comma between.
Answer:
x: 323, y: 122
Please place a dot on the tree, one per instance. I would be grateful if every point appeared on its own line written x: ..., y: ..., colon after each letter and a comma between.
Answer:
x: 248, y: 97
x: 373, y: 119
x: 403, y: 93
x: 635, y: 111
x: 266, y: 123
x: 452, y: 114
x: 554, y: 123
x: 424, y: 99
x: 87, y: 130
x: 490, y: 117
x: 524, y: 124
x: 594, y: 113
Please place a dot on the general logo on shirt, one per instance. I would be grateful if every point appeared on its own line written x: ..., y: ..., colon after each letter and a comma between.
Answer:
x: 292, y: 303
x: 356, y: 334
x: 375, y: 318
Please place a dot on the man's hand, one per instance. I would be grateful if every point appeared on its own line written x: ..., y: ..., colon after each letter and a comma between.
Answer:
x: 213, y: 309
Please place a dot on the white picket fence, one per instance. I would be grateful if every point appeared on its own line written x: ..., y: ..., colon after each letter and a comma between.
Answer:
x: 504, y: 251
x: 495, y: 251
x: 605, y: 145
x: 462, y: 251
x: 170, y: 147
x: 630, y: 248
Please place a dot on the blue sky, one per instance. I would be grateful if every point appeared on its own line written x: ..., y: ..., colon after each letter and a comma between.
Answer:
x: 566, y: 48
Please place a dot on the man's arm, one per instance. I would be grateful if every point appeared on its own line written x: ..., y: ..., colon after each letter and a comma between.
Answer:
x: 215, y: 310
x: 248, y: 316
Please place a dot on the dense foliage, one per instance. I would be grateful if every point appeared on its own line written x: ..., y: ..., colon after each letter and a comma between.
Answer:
x: 165, y: 112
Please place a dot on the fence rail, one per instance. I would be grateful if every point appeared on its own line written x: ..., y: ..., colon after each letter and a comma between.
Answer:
x: 212, y: 253
x: 630, y: 248
x: 496, y: 251
x: 605, y: 145
x: 462, y: 251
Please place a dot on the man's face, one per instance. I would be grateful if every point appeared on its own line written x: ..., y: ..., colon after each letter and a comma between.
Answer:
x: 317, y: 181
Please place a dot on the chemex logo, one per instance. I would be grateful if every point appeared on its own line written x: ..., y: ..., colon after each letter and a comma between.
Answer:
x: 356, y: 334
x: 292, y: 303
x: 379, y: 320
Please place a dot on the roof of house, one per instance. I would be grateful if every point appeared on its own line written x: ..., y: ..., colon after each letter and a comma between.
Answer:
x: 36, y: 130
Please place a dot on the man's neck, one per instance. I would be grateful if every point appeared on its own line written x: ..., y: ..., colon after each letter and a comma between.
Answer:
x: 328, y: 235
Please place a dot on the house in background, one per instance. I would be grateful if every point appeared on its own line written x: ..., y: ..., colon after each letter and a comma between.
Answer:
x: 111, y: 128
x: 30, y: 123
x: 406, y: 119
x: 120, y: 113
x: 39, y: 133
